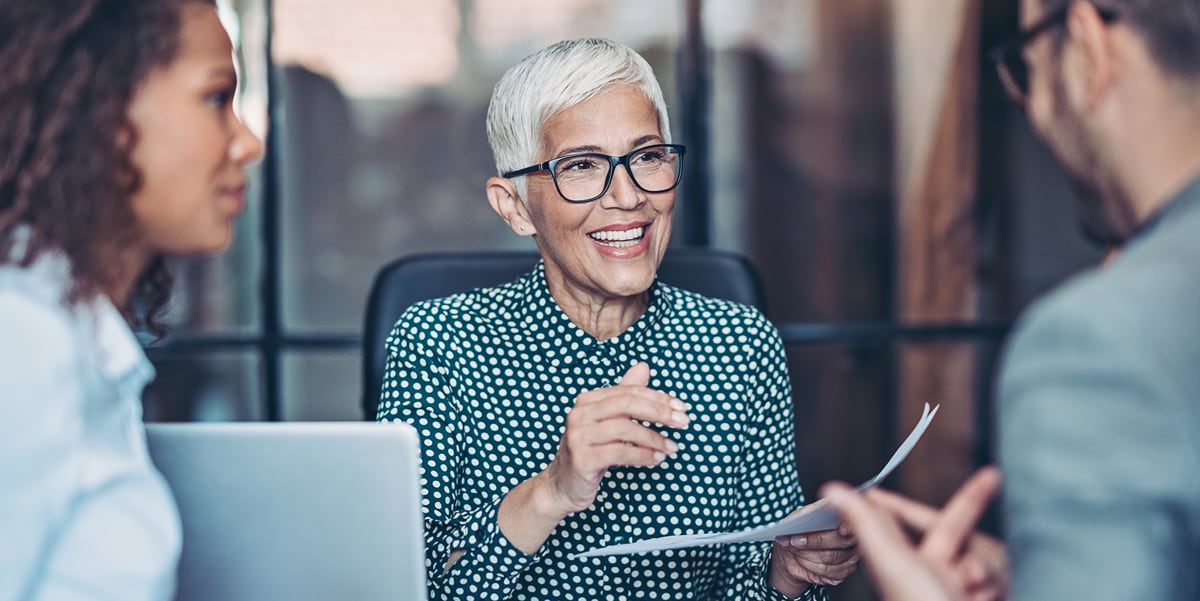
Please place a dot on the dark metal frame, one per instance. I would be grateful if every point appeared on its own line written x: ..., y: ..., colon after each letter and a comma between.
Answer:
x: 695, y: 91
x: 1009, y: 55
x: 274, y: 340
x: 613, y: 163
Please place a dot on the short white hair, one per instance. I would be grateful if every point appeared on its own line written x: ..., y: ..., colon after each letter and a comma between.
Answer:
x: 553, y: 80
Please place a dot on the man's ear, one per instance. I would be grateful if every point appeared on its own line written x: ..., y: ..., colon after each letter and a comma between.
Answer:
x: 506, y: 202
x: 1097, y: 55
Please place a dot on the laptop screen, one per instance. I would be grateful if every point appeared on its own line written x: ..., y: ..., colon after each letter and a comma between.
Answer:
x: 298, y: 511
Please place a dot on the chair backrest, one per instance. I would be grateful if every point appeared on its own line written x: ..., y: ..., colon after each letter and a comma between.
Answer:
x: 415, y: 278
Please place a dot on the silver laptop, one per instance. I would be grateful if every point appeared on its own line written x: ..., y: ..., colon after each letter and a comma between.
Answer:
x: 297, y: 511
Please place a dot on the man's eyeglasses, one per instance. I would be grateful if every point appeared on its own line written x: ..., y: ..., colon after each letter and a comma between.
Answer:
x: 586, y: 176
x: 1009, y: 56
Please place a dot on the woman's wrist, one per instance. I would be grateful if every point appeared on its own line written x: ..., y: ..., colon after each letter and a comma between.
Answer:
x: 545, y: 500
x: 528, y: 514
x: 779, y: 579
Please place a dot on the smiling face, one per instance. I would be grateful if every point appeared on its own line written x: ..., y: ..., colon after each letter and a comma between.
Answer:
x: 610, y: 248
x: 191, y: 147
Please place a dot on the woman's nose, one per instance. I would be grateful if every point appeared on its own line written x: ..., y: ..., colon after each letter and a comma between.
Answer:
x: 622, y: 192
x: 246, y: 147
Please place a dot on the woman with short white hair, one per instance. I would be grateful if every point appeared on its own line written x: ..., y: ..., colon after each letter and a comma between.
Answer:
x: 586, y: 403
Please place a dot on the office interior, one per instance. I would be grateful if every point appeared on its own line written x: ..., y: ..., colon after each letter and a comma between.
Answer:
x: 861, y: 154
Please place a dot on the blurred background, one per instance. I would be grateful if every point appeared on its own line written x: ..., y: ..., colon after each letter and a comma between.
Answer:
x: 861, y: 154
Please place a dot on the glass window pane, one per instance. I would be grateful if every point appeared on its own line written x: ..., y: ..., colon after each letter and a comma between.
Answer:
x: 842, y: 402
x: 204, y: 386
x: 384, y: 151
x: 321, y: 386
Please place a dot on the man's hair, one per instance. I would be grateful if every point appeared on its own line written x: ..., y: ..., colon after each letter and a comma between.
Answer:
x: 1169, y: 28
x: 69, y: 72
x: 553, y: 80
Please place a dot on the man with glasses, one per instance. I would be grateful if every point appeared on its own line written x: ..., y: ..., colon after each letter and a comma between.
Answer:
x: 1099, y: 396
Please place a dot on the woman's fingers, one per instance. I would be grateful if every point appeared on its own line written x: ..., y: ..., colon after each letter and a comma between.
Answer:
x: 632, y: 402
x: 825, y: 557
x: 622, y: 431
x: 606, y: 427
x: 603, y: 431
x: 824, y: 540
x: 633, y: 398
x: 614, y: 454
x: 580, y: 464
x: 615, y: 417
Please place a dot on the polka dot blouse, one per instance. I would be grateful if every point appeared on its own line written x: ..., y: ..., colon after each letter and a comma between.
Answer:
x: 487, y: 378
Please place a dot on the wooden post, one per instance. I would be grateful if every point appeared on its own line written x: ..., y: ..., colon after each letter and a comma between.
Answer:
x: 820, y: 199
x: 936, y: 50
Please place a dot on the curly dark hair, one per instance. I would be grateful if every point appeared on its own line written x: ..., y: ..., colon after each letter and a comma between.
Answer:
x: 70, y: 71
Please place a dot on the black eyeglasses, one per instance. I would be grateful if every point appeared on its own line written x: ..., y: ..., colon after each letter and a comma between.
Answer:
x: 586, y: 176
x: 1009, y: 56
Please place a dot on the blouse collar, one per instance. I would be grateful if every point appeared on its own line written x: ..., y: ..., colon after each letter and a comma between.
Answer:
x: 544, y: 317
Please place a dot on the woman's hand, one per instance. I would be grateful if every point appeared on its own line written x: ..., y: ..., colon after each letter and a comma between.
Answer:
x: 827, y: 557
x: 602, y: 431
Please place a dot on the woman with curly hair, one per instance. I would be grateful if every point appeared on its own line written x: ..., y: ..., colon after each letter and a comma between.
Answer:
x: 119, y: 147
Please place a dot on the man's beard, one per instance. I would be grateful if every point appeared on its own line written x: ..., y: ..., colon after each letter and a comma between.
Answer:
x: 1100, y: 220
x: 1105, y: 214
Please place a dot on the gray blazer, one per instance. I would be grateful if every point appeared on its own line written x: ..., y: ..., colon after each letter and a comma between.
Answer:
x: 1099, y: 426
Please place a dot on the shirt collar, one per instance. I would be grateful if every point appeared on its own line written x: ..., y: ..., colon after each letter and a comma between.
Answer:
x: 104, y: 333
x: 1185, y: 200
x: 543, y: 318
x: 119, y: 355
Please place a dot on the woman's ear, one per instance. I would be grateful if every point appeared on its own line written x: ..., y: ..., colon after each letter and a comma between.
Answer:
x: 502, y: 195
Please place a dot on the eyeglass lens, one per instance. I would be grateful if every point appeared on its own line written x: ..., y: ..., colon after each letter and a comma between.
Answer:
x: 1014, y: 73
x: 583, y: 177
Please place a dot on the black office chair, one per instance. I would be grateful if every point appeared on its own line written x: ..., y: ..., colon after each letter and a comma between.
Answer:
x: 416, y: 278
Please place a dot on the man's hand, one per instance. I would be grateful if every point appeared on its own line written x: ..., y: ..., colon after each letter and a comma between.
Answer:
x: 951, y: 562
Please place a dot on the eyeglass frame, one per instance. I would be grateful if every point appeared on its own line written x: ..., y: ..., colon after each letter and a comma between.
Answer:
x: 613, y: 162
x: 1013, y: 47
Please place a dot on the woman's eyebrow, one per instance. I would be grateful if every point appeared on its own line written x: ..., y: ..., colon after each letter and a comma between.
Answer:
x: 593, y: 148
x: 223, y: 71
x: 647, y: 138
x: 576, y: 149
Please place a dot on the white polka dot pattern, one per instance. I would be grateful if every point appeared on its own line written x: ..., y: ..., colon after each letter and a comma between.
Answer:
x: 487, y: 378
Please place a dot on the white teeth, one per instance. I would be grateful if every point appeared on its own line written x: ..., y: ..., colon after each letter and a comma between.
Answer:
x: 621, y: 238
x: 622, y: 244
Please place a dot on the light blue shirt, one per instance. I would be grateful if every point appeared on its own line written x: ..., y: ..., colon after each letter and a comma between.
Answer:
x: 83, y: 512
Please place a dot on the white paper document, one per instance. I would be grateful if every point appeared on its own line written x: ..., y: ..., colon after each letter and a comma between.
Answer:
x: 814, y: 517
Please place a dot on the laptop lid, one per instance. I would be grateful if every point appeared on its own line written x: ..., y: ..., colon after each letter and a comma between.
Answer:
x: 297, y: 511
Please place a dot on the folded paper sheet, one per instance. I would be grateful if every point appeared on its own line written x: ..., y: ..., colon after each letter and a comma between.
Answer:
x: 814, y: 517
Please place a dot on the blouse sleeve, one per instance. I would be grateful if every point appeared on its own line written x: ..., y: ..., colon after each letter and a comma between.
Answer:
x: 769, y: 484
x: 417, y: 388
x: 39, y: 421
